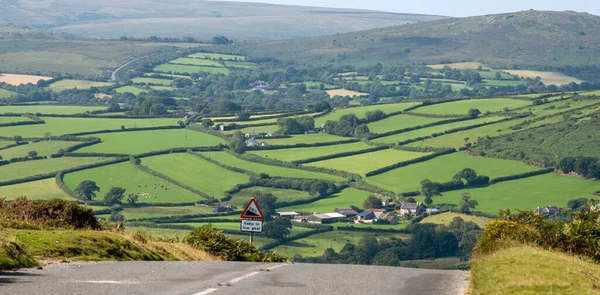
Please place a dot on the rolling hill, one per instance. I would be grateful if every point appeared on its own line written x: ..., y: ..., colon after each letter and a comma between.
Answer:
x: 176, y: 18
x: 523, y: 39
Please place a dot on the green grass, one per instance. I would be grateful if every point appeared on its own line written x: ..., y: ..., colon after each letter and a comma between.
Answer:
x: 435, y: 129
x: 187, y: 69
x: 154, y: 212
x: 217, y: 56
x: 6, y: 93
x: 60, y: 126
x: 76, y: 84
x: 159, y: 233
x: 4, y: 143
x: 401, y: 225
x: 43, y: 148
x: 527, y: 193
x: 4, y: 120
x: 31, y: 168
x: 138, y: 142
x: 501, y: 83
x: 305, y: 138
x: 240, y: 64
x: 196, y: 62
x: 263, y: 121
x: 130, y: 89
x: 442, y: 169
x: 530, y: 270
x: 259, y: 129
x: 361, y: 111
x: 230, y: 160
x: 127, y: 176
x: 197, y: 173
x: 241, y: 198
x: 152, y: 81
x: 305, y: 153
x: 446, y: 217
x: 399, y: 122
x: 35, y: 190
x: 50, y: 109
x: 363, y: 163
x: 462, y: 107
x: 345, y: 199
x: 491, y: 75
x: 166, y: 88
x: 318, y: 84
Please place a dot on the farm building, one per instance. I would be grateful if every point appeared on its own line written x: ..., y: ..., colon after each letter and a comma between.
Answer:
x: 222, y: 209
x: 254, y: 142
x: 290, y: 215
x: 410, y: 208
x: 252, y: 134
x: 323, y: 218
x: 546, y: 210
x: 347, y: 212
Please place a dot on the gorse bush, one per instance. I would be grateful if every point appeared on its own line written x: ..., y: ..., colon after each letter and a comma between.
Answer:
x: 215, y: 242
x: 55, y: 213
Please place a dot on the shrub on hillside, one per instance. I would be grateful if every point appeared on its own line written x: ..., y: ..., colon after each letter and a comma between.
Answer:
x: 54, y: 213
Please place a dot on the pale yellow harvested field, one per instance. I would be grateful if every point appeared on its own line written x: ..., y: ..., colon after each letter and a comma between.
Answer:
x: 344, y: 92
x: 14, y: 79
x: 548, y: 78
x: 461, y: 66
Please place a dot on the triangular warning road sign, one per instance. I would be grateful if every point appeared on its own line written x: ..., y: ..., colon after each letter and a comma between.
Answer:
x: 252, y: 211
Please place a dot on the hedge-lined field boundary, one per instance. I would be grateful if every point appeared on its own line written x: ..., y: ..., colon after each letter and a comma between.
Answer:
x: 174, y: 182
x: 409, y: 162
x: 301, y: 235
x: 341, y: 155
x: 432, y: 124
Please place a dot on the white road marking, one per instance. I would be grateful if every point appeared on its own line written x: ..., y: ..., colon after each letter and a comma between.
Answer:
x: 207, y: 291
x: 277, y: 266
x: 233, y: 281
x: 106, y: 282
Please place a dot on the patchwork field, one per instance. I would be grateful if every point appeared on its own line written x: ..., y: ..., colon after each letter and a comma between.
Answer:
x: 462, y: 107
x: 197, y: 173
x: 151, y: 189
x: 187, y: 69
x: 548, y: 78
x: 364, y: 163
x: 130, y: 89
x: 460, y: 66
x: 305, y: 138
x: 152, y: 140
x: 153, y: 212
x: 217, y: 56
x: 446, y: 217
x: 76, y: 84
x: 43, y: 148
x: 50, y: 109
x: 152, y: 81
x: 240, y: 199
x: 240, y: 64
x: 345, y: 199
x: 344, y: 92
x: 312, y: 152
x: 31, y: 168
x: 35, y: 190
x: 15, y: 79
x: 4, y: 120
x: 399, y: 122
x: 196, y: 62
x: 6, y: 93
x: 361, y: 111
x: 442, y: 169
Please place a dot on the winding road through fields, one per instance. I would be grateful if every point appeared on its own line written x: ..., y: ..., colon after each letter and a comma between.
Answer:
x: 203, y: 278
x: 113, y: 76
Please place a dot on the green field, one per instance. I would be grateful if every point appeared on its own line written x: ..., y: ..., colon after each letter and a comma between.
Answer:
x: 399, y: 122
x: 50, y: 109
x: 187, y: 69
x: 240, y: 64
x: 227, y: 159
x: 196, y: 62
x: 31, y: 168
x: 76, y: 84
x: 259, y: 129
x: 501, y: 83
x: 166, y: 88
x: 151, y: 189
x: 446, y: 217
x: 130, y: 89
x: 305, y: 153
x: 441, y: 169
x: 6, y: 93
x: 152, y: 81
x: 60, y: 126
x: 138, y: 142
x: 159, y: 233
x: 361, y: 111
x: 217, y: 56
x: 462, y: 107
x: 197, y: 173
x: 35, y: 190
x: 435, y: 129
x: 363, y: 163
x: 527, y: 193
x: 345, y: 199
x: 241, y: 198
x: 43, y: 148
x: 4, y: 143
x: 4, y: 120
x: 155, y: 212
x: 305, y: 138
x: 318, y: 84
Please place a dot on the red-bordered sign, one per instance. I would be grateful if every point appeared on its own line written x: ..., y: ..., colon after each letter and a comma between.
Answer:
x: 252, y: 211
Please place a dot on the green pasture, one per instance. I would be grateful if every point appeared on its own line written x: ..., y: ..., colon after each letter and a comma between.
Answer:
x: 501, y: 83
x: 159, y: 233
x: 402, y: 224
x: 35, y: 190
x: 363, y: 163
x: 240, y: 64
x: 446, y: 217
x: 361, y: 111
x: 76, y: 84
x: 32, y: 168
x: 137, y: 142
x: 4, y: 143
x: 293, y: 154
x: 196, y: 62
x: 491, y: 75
x: 241, y: 198
x: 130, y: 89
x: 462, y: 107
x: 258, y: 129
x: 155, y: 212
x: 318, y: 84
x: 243, y: 123
x: 50, y: 109
x: 399, y: 122
x: 435, y: 129
x: 526, y: 194
x: 305, y: 138
x: 384, y: 83
x: 6, y: 93
x: 217, y: 56
x: 197, y: 173
x: 441, y: 169
x: 187, y: 69
x: 168, y: 75
x: 151, y: 189
x: 229, y: 160
x: 152, y: 81
x: 4, y: 120
x: 43, y: 148
x: 345, y: 199
x: 161, y: 88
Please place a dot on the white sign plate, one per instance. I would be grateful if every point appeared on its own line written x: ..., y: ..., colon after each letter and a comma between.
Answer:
x: 254, y: 226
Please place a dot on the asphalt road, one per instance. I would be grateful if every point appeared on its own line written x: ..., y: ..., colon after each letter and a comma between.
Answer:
x: 203, y: 278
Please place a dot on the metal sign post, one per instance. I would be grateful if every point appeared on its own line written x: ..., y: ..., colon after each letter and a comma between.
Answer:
x: 252, y: 219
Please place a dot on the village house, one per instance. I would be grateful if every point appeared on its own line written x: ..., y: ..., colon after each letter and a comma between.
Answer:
x: 271, y: 134
x: 289, y: 215
x: 432, y: 211
x: 546, y: 210
x: 253, y: 142
x: 252, y: 134
x: 413, y: 209
x: 222, y: 127
x: 347, y: 212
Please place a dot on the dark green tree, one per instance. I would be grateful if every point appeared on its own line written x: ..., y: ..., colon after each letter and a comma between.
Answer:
x: 466, y: 204
x: 430, y: 189
x: 366, y: 249
x: 267, y: 203
x: 114, y: 196
x: 32, y: 154
x: 474, y: 113
x: 372, y: 202
x: 278, y: 228
x: 86, y: 190
x: 237, y: 142
x: 132, y: 199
